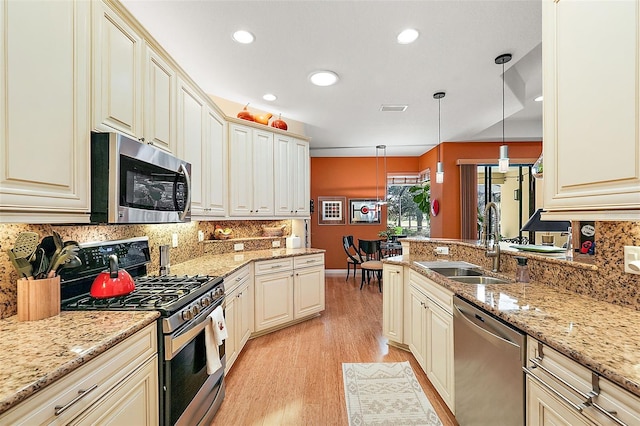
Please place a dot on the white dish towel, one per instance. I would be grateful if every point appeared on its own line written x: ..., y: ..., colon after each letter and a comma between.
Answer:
x: 214, y: 333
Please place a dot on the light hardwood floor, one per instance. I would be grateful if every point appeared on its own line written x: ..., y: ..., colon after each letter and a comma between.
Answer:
x: 294, y: 376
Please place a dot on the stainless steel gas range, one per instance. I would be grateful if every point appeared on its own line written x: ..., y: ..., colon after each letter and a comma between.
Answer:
x: 188, y: 395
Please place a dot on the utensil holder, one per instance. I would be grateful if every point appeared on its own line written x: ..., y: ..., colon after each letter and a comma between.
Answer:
x: 38, y: 299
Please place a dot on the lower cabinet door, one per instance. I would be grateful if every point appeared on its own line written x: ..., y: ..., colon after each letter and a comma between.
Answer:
x: 133, y: 402
x: 274, y: 299
x: 231, y: 318
x: 308, y: 291
x: 439, y: 359
x: 545, y: 409
x: 417, y: 332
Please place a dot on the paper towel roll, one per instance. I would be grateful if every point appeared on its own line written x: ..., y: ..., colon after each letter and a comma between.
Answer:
x: 293, y: 242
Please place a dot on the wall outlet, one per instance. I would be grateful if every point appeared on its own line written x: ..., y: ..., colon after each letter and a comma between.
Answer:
x: 442, y: 250
x: 275, y: 243
x: 632, y: 260
x: 238, y: 247
x: 174, y: 240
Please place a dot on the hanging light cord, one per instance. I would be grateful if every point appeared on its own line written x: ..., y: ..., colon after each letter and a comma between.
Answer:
x: 503, y: 102
x: 439, y: 99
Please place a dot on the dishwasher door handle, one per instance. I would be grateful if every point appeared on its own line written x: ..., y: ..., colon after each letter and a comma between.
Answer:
x: 483, y: 332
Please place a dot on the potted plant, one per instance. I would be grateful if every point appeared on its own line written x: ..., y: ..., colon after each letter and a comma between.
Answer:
x: 388, y: 233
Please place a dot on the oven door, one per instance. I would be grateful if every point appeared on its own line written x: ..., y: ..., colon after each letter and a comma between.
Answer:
x: 190, y: 395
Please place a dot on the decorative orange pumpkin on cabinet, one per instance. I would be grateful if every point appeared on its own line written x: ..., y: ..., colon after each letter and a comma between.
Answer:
x: 263, y: 118
x: 245, y: 114
x: 279, y: 123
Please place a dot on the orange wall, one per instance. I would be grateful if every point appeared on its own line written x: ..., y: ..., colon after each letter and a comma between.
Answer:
x: 353, y: 177
x: 447, y: 223
x: 356, y: 178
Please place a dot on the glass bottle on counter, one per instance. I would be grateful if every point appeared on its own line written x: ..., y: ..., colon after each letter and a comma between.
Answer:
x: 522, y: 270
x: 569, y: 251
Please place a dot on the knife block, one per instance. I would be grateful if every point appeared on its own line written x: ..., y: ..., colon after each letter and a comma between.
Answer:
x: 38, y: 299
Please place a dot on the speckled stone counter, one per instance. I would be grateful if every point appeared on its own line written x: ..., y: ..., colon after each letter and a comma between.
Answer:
x: 34, y: 354
x: 225, y: 264
x: 599, y: 335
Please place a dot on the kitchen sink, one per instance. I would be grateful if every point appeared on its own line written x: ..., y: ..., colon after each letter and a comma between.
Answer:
x: 446, y: 264
x: 480, y: 280
x: 457, y: 272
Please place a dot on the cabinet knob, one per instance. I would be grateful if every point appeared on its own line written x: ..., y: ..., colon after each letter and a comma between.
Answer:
x: 141, y: 139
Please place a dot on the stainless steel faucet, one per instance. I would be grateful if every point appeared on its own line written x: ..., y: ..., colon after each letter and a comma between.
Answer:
x: 492, y: 235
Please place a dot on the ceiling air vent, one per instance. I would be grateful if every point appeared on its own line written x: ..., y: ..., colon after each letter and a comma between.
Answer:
x: 393, y: 108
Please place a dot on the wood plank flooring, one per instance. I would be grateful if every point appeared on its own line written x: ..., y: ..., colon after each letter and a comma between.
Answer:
x: 294, y: 376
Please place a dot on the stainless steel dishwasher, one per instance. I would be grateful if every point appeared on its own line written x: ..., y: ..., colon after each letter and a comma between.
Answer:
x: 488, y: 360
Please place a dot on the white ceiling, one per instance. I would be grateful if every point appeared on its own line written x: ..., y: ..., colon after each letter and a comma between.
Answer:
x: 455, y: 53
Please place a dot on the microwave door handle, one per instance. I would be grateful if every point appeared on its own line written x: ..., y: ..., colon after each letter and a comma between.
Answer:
x: 188, y: 181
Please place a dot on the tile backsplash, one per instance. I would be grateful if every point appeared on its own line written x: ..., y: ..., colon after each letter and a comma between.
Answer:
x: 188, y: 245
x: 603, y: 278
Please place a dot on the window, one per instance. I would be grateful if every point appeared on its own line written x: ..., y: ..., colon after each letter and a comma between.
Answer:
x: 402, y: 212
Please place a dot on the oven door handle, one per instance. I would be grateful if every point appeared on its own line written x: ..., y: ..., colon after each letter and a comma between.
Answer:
x: 175, y: 342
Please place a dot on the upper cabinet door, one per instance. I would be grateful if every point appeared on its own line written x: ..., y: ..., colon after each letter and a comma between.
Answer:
x: 283, y: 175
x: 159, y: 101
x: 117, y: 50
x: 190, y: 142
x: 216, y: 155
x: 44, y: 114
x: 301, y: 178
x: 263, y: 172
x: 591, y: 57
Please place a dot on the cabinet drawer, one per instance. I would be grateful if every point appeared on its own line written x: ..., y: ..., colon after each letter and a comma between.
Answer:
x: 577, y: 382
x: 94, y: 379
x: 435, y: 292
x: 306, y: 261
x: 235, y: 279
x: 276, y: 265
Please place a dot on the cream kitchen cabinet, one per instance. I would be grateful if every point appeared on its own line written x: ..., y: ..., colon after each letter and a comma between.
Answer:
x: 45, y: 87
x: 273, y: 293
x: 160, y: 105
x: 119, y: 386
x: 215, y: 166
x: 591, y: 117
x: 117, y: 72
x: 308, y: 285
x: 287, y: 290
x: 429, y: 328
x: 251, y: 174
x: 392, y: 302
x: 562, y: 391
x: 292, y: 181
x: 238, y: 312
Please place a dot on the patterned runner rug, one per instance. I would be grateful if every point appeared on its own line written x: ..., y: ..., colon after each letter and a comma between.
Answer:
x: 385, y: 393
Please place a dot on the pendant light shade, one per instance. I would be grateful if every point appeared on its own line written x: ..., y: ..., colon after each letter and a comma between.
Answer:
x: 503, y: 161
x: 383, y: 201
x: 439, y: 166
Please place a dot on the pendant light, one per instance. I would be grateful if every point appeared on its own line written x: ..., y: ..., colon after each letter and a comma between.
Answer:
x: 384, y: 200
x: 503, y: 161
x: 439, y: 168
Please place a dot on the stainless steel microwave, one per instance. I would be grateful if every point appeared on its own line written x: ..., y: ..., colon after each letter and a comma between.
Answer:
x: 132, y: 182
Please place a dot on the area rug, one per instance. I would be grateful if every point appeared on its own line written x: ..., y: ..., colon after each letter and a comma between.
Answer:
x: 385, y: 393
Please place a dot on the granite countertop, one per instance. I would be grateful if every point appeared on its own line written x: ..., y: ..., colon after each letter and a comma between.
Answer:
x: 599, y: 335
x: 225, y: 264
x: 34, y: 354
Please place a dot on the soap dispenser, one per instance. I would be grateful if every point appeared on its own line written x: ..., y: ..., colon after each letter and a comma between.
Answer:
x: 522, y: 270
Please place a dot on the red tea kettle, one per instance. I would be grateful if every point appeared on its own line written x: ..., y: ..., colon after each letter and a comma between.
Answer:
x: 112, y: 283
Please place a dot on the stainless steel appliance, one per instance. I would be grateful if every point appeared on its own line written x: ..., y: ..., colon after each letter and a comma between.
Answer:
x: 132, y: 182
x: 488, y: 359
x: 188, y: 395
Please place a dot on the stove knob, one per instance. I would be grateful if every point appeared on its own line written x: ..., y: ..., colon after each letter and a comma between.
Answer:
x: 206, y: 301
x: 187, y: 315
x: 195, y: 310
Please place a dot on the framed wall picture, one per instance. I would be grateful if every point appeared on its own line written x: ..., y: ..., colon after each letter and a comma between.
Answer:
x: 331, y: 210
x: 364, y: 212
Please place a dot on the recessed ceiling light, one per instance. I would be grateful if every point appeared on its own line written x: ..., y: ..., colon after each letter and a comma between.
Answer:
x: 408, y: 36
x: 538, y: 99
x: 323, y: 78
x: 269, y: 97
x: 244, y: 37
x: 393, y: 108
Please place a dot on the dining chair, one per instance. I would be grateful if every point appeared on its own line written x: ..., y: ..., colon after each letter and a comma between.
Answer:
x: 372, y: 264
x: 353, y: 255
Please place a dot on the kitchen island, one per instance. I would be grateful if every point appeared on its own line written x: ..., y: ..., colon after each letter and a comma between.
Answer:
x: 599, y: 335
